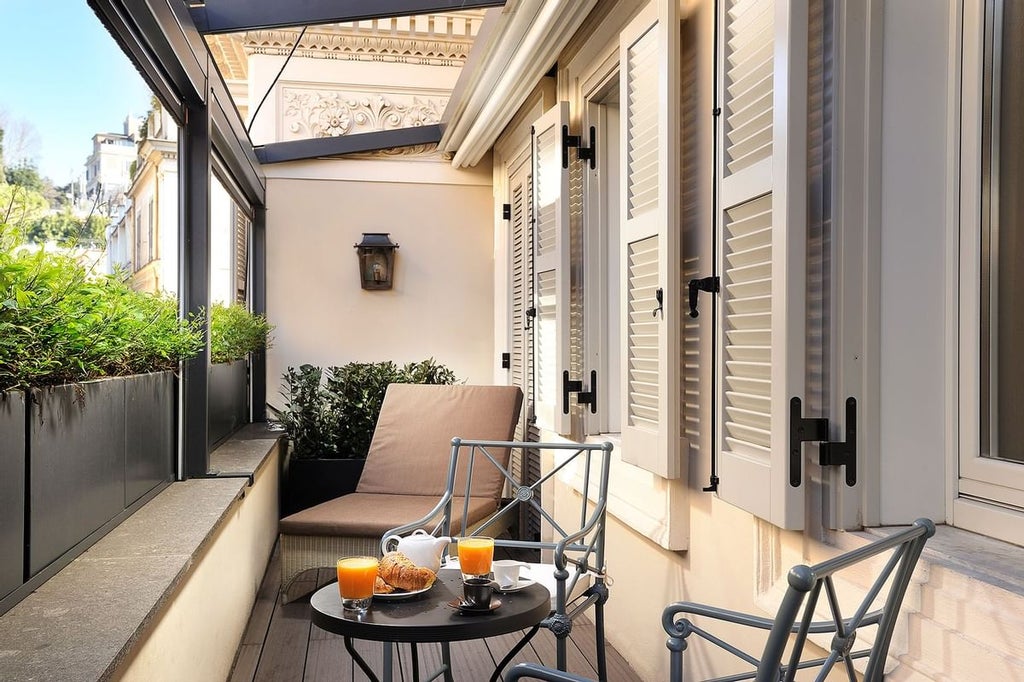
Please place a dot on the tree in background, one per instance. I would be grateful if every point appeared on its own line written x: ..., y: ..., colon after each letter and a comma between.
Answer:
x: 68, y: 229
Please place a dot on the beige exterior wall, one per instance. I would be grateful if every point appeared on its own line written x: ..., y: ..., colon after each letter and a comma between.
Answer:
x: 960, y: 619
x: 190, y: 639
x: 441, y: 305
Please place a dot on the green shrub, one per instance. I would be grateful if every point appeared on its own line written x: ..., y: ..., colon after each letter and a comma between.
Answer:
x: 333, y: 413
x: 59, y: 324
x: 235, y: 332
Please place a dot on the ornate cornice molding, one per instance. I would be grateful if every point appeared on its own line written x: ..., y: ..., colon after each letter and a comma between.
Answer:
x: 356, y: 46
x: 320, y: 112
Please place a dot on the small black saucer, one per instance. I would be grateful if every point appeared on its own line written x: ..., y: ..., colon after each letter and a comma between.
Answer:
x: 472, y: 610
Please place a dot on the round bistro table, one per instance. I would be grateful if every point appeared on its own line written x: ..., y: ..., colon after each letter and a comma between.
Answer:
x: 428, y: 617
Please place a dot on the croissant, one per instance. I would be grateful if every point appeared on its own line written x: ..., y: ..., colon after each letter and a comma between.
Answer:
x: 399, y: 571
x: 381, y: 587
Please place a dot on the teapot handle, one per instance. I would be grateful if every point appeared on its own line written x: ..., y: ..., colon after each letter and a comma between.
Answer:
x: 385, y: 544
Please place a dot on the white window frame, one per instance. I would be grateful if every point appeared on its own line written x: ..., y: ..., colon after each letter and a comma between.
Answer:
x: 989, y: 493
x: 602, y: 346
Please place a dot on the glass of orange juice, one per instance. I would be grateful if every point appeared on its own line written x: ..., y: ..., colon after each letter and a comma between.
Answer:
x: 355, y: 582
x: 475, y: 555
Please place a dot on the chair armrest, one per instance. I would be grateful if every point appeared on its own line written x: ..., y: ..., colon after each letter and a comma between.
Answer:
x: 816, y: 627
x: 533, y: 671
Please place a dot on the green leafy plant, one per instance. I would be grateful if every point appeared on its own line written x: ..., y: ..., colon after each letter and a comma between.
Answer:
x: 60, y: 324
x: 338, y: 420
x: 304, y: 416
x: 235, y: 332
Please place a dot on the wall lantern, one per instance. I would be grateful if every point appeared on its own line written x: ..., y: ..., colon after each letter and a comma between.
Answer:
x: 376, y: 260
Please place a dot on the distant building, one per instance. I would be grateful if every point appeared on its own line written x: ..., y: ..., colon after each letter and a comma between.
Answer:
x: 135, y: 242
x: 108, y: 168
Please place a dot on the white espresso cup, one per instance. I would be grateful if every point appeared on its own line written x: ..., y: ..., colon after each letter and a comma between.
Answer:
x: 506, y: 573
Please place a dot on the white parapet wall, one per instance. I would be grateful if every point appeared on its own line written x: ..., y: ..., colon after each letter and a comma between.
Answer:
x: 196, y: 635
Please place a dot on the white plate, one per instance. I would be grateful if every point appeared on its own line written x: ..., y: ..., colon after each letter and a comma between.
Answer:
x: 523, y: 582
x: 394, y: 596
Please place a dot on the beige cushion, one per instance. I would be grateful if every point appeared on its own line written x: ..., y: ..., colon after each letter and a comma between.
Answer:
x: 372, y: 515
x: 411, y: 444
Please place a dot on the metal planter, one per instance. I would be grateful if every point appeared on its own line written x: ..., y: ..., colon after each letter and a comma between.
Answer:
x: 228, y: 400
x: 308, y: 482
x: 76, y: 480
x: 149, y: 433
x: 12, y: 491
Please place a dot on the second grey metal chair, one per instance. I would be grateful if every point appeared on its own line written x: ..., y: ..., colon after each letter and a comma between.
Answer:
x: 800, y: 601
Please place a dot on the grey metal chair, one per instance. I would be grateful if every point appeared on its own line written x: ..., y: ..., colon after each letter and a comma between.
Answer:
x: 801, y: 600
x: 575, y: 574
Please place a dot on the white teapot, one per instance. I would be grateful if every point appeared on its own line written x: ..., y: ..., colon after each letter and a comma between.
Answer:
x: 422, y: 548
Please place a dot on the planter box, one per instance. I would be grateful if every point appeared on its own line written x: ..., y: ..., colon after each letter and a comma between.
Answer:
x: 12, y: 491
x: 95, y: 449
x: 76, y: 480
x: 308, y: 482
x: 228, y: 400
x: 149, y: 435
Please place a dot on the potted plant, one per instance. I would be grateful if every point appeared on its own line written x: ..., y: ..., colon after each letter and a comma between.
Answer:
x: 329, y: 416
x: 85, y: 368
x: 234, y: 334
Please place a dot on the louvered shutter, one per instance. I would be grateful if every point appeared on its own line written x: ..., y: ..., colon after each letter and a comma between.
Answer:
x: 551, y: 267
x: 763, y: 250
x: 241, y: 265
x: 649, y: 52
x: 520, y: 197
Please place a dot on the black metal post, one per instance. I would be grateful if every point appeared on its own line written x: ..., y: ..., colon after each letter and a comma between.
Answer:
x: 258, y: 369
x: 194, y: 249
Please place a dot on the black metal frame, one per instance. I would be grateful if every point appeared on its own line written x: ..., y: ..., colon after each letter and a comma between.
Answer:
x: 226, y: 16
x: 164, y: 39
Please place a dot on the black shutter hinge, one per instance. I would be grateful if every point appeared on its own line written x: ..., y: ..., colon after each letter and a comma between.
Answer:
x: 582, y: 153
x: 506, y: 360
x: 804, y: 429
x: 530, y: 313
x: 711, y: 285
x: 506, y: 211
x: 582, y: 397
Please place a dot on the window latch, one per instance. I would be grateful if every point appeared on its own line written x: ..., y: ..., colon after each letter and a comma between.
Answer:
x: 709, y: 284
x: 582, y: 153
x: 582, y: 397
x: 805, y: 429
x: 530, y: 313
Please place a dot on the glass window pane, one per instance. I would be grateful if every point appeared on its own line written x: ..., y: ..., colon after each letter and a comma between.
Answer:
x: 1003, y: 234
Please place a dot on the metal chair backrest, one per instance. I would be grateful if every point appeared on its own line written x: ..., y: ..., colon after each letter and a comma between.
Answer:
x: 576, y: 545
x: 801, y: 601
x: 806, y: 584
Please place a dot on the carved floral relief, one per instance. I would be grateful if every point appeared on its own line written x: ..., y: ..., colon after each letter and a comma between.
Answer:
x: 331, y: 114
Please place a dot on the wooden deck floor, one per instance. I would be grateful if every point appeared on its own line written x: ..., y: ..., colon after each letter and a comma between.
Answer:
x: 280, y: 644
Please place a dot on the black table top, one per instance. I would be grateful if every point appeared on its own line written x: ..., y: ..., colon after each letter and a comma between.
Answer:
x: 427, y: 617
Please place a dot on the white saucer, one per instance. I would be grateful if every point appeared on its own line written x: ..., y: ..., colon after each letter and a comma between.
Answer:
x: 523, y: 582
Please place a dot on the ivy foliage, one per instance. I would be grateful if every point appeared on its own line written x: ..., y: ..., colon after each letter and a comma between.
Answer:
x: 332, y: 413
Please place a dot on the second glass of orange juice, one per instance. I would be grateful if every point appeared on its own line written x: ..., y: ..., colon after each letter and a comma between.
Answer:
x: 475, y: 555
x: 355, y: 582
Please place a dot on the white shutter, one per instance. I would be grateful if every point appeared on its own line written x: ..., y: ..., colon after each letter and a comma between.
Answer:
x: 649, y: 54
x: 519, y: 290
x: 551, y: 267
x: 762, y: 242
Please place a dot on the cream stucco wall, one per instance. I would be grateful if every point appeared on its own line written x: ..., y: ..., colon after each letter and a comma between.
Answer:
x: 960, y: 614
x: 197, y: 635
x: 441, y: 305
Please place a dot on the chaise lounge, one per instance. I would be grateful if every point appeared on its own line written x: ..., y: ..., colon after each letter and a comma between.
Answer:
x: 404, y: 475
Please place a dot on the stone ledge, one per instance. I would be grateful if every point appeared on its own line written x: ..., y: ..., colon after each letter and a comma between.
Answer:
x: 84, y: 621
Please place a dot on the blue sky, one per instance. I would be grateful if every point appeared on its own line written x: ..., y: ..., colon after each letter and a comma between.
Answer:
x: 65, y: 76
